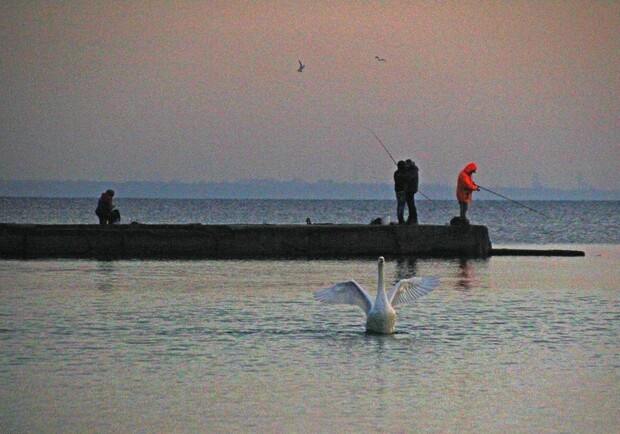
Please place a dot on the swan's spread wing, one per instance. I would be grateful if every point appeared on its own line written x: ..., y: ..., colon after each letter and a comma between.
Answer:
x: 407, y: 290
x: 349, y: 292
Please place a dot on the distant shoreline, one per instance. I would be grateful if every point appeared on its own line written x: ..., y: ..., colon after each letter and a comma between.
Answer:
x: 278, y: 190
x: 294, y: 199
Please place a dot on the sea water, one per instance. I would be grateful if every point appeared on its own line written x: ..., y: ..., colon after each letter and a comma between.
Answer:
x: 550, y: 221
x: 504, y: 344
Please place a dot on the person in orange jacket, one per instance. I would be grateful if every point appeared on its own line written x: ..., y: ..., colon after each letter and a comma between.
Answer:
x: 465, y: 187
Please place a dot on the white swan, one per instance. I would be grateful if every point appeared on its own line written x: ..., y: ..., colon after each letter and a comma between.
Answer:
x: 380, y: 315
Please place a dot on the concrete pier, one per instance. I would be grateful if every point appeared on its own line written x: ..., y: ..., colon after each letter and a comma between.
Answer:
x: 141, y: 241
x: 536, y: 252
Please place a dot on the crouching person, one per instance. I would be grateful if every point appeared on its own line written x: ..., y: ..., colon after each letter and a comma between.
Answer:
x: 106, y: 211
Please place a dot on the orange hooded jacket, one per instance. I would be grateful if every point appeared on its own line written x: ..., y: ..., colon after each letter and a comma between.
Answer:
x: 465, y: 186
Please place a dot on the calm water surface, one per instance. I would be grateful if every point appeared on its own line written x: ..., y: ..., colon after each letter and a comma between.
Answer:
x: 503, y: 345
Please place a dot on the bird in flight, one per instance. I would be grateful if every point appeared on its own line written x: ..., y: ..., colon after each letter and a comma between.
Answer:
x: 301, y: 66
x: 380, y: 59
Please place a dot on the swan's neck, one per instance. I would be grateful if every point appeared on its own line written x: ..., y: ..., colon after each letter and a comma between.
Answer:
x: 381, y: 295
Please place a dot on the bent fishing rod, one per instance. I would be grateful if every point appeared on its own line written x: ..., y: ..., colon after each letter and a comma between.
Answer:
x: 513, y: 201
x: 388, y: 152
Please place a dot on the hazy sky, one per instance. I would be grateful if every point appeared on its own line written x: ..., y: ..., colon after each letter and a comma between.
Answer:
x: 198, y: 91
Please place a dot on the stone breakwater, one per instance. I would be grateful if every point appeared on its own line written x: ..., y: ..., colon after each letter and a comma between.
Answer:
x: 141, y: 241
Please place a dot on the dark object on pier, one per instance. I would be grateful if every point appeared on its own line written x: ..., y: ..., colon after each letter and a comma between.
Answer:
x: 459, y: 221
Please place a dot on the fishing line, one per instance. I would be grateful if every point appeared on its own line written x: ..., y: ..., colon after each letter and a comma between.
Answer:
x: 513, y: 201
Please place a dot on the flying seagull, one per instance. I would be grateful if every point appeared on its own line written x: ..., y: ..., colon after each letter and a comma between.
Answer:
x: 380, y: 315
x: 301, y: 66
x: 380, y: 59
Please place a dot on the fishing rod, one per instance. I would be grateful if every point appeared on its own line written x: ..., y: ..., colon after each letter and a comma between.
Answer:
x: 513, y: 201
x: 388, y: 152
x: 384, y: 147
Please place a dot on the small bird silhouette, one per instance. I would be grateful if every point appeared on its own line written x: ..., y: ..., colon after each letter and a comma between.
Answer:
x: 301, y: 66
x: 380, y: 59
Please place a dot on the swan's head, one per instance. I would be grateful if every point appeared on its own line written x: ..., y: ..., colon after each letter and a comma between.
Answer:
x: 380, y: 267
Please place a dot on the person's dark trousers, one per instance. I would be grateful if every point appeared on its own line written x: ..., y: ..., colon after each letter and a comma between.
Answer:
x: 463, y: 208
x: 103, y: 219
x: 108, y: 219
x: 413, y: 213
x: 400, y: 206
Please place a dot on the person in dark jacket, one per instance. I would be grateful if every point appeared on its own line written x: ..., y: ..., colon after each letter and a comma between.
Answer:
x: 400, y: 181
x: 411, y: 188
x: 106, y: 211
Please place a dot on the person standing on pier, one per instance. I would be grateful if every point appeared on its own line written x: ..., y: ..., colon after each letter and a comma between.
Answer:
x: 106, y: 211
x: 400, y: 181
x: 411, y: 188
x: 465, y: 188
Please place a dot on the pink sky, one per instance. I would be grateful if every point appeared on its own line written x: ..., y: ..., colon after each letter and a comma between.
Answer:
x: 208, y: 91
